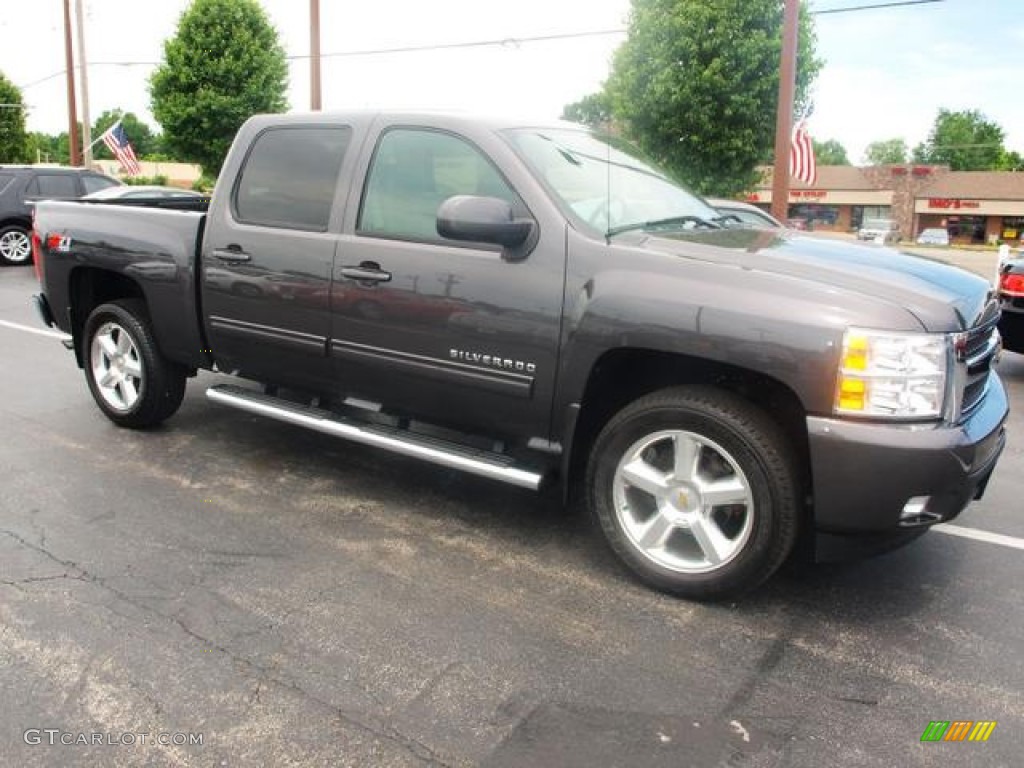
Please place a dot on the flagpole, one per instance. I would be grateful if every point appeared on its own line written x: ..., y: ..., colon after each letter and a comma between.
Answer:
x: 97, y: 141
x: 784, y: 116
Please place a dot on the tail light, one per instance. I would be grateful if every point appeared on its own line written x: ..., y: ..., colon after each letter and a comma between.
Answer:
x: 1011, y: 284
x: 37, y: 251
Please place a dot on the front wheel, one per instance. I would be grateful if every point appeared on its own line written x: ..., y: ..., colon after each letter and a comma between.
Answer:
x: 695, y: 490
x: 131, y: 382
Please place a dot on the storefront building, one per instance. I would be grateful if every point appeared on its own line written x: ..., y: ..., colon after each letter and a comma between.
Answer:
x: 972, y: 206
x: 975, y: 207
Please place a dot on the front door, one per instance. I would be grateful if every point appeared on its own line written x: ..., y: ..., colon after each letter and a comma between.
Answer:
x: 447, y: 332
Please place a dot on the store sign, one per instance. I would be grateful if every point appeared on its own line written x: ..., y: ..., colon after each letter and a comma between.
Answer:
x: 952, y: 204
x: 808, y: 194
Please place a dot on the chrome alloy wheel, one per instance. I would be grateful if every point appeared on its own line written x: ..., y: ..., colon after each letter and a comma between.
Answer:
x: 116, y: 367
x: 15, y: 246
x: 683, y: 501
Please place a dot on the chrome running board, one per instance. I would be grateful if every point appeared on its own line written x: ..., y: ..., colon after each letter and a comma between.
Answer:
x: 446, y: 453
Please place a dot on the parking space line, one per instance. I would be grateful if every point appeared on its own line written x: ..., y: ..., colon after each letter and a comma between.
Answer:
x: 973, y: 533
x: 39, y: 331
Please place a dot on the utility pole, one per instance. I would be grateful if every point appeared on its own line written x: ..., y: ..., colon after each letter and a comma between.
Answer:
x: 84, y: 74
x: 314, y: 55
x: 784, y: 116
x: 69, y: 57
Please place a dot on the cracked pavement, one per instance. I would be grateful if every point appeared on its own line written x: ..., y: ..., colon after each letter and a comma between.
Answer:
x: 299, y: 600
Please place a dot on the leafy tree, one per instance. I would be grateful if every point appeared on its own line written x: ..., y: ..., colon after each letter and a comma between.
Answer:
x: 14, y: 144
x: 886, y: 152
x: 224, y: 65
x: 48, y: 149
x: 830, y: 152
x: 139, y: 134
x: 695, y: 84
x: 965, y: 141
x: 594, y: 110
x: 1012, y: 161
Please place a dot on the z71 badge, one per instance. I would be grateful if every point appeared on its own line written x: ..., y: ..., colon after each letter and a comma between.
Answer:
x: 58, y: 243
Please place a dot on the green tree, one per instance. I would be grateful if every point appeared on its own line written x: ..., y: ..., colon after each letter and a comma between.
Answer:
x: 886, y: 152
x: 139, y: 134
x: 14, y: 142
x: 695, y: 84
x: 965, y: 141
x: 1012, y: 161
x: 224, y: 64
x: 48, y: 149
x: 594, y: 110
x: 830, y: 152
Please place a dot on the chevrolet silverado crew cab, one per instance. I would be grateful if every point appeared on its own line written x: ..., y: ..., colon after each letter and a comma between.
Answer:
x: 536, y: 304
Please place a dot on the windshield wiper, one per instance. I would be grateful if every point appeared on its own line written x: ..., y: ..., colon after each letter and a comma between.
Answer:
x: 666, y: 223
x: 729, y: 220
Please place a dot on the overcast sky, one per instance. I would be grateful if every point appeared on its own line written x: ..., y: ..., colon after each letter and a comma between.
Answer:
x: 887, y: 71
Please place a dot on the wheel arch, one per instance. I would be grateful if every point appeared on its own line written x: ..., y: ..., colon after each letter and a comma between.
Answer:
x: 623, y: 375
x: 88, y: 288
x: 18, y: 221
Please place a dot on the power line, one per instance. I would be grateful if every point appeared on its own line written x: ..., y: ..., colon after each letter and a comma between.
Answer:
x: 506, y: 42
x: 899, y: 4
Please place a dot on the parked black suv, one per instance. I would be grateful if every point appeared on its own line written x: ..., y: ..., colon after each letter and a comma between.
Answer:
x: 22, y: 185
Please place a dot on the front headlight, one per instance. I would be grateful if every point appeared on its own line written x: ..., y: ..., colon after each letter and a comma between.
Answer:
x: 892, y: 375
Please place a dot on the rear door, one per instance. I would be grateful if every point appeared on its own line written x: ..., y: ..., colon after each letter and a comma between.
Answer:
x: 453, y: 333
x: 268, y: 253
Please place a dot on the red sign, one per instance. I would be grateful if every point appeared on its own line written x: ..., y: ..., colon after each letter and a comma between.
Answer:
x: 809, y: 194
x: 946, y: 203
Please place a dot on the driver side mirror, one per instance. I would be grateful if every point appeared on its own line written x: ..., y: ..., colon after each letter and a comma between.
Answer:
x: 476, y: 219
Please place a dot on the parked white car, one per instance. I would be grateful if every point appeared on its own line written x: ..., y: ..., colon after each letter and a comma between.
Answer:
x: 879, y: 229
x: 933, y: 236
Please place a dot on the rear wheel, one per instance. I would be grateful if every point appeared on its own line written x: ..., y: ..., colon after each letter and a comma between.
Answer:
x: 15, y: 245
x: 695, y: 490
x: 131, y: 382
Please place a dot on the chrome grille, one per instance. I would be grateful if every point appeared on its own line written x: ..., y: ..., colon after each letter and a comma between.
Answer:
x: 979, y: 353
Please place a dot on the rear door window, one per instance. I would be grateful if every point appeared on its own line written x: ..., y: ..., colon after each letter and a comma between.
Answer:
x: 5, y: 180
x: 290, y: 176
x: 53, y: 185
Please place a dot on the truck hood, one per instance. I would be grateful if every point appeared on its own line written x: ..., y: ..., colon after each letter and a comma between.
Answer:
x: 942, y: 297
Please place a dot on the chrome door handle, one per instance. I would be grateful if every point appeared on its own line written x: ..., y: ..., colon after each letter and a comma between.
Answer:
x: 367, y: 272
x: 232, y: 254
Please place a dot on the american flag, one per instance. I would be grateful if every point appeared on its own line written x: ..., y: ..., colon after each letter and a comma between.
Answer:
x: 117, y: 141
x: 801, y: 156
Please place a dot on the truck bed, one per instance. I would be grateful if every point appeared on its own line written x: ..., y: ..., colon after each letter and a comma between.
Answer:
x: 155, y: 246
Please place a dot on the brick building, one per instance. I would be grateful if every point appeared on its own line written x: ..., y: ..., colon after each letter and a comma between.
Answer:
x: 973, y: 206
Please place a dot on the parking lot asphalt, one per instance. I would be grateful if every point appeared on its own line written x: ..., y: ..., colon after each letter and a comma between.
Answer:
x: 292, y: 599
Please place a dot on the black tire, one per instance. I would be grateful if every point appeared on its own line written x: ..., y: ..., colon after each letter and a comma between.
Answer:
x: 731, y: 448
x: 15, y: 245
x: 145, y: 388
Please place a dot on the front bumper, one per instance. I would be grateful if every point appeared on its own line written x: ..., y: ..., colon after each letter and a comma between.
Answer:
x: 865, y: 474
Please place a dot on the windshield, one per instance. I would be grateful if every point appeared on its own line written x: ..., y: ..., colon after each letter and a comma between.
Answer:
x: 609, y: 189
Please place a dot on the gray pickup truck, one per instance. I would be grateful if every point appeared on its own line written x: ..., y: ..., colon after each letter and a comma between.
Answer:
x: 535, y: 304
